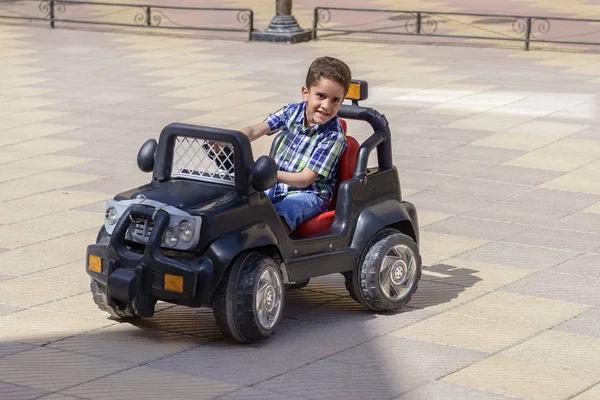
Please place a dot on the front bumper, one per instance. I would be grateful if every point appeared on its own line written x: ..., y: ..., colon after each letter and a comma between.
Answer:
x: 140, y: 278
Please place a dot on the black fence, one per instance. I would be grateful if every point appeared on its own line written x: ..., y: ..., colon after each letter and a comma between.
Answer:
x: 514, y: 28
x: 130, y: 15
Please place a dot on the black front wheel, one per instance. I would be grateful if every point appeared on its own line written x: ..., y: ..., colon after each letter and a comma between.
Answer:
x: 389, y: 273
x: 248, y: 303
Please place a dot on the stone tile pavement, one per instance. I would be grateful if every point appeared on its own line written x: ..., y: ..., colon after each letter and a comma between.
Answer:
x: 499, y: 150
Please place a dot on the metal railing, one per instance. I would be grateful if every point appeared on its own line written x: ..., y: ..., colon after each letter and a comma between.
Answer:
x: 516, y: 28
x: 140, y: 15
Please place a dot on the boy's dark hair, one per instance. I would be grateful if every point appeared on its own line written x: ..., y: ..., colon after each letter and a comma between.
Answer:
x: 329, y: 68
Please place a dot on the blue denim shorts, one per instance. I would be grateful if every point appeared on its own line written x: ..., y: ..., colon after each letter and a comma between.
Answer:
x: 297, y: 207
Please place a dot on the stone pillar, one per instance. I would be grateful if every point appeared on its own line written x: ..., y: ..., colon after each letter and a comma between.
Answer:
x: 283, y: 26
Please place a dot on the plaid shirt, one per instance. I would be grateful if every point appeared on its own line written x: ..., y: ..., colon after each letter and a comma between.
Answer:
x: 318, y: 147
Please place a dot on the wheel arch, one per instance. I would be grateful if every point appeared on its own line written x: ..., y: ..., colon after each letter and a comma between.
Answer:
x: 225, y: 249
x: 387, y: 214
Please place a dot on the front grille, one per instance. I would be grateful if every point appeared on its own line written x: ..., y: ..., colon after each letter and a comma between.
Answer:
x: 142, y: 229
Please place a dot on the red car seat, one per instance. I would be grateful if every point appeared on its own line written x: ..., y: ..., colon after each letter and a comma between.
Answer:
x: 320, y: 223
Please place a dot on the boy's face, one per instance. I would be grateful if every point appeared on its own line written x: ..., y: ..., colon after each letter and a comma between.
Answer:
x: 323, y: 101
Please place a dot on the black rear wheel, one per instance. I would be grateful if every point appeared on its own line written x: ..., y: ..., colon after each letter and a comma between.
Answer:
x: 248, y: 303
x: 388, y: 274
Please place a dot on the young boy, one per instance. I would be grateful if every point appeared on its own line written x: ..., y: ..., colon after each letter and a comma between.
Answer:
x: 309, y: 153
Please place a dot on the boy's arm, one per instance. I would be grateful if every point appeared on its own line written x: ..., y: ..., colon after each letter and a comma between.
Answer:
x: 300, y: 180
x: 323, y: 162
x: 255, y: 131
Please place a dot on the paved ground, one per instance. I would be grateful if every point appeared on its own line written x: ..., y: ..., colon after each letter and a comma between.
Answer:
x: 499, y: 150
x: 491, y: 27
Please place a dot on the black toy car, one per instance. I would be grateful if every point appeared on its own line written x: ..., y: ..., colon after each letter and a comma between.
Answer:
x: 203, y: 233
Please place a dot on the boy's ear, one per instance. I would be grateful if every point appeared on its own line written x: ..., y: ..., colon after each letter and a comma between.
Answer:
x: 304, y: 93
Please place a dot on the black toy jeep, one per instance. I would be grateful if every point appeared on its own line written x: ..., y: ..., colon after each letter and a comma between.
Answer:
x: 203, y: 233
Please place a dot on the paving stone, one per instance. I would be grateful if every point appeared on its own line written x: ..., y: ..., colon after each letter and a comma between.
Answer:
x: 589, y: 394
x: 576, y: 181
x: 36, y: 326
x: 52, y: 370
x: 345, y: 380
x: 516, y: 175
x: 473, y: 274
x: 346, y: 313
x: 58, y: 396
x: 18, y: 392
x: 578, y: 221
x: 47, y: 254
x: 439, y: 390
x: 45, y: 203
x: 436, y: 247
x: 556, y: 199
x: 423, y: 360
x: 476, y: 228
x: 113, y: 185
x: 48, y: 227
x: 587, y: 323
x: 146, y: 382
x: 524, y: 379
x: 442, y: 133
x: 421, y: 146
x: 557, y: 239
x: 102, y: 151
x: 516, y: 255
x: 251, y: 393
x: 517, y: 213
x: 90, y: 135
x: 485, y: 154
x: 592, y: 133
x: 559, y: 286
x: 105, y: 168
x: 582, y: 265
x: 422, y: 180
x: 444, y: 166
x: 436, y: 296
x: 442, y: 203
x: 4, y: 277
x: 560, y: 348
x: 10, y: 308
x: 469, y: 187
x: 541, y: 313
x: 10, y: 347
x: 197, y: 322
x: 128, y: 343
x: 303, y: 342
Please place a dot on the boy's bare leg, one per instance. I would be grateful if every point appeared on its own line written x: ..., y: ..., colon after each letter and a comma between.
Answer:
x: 285, y: 225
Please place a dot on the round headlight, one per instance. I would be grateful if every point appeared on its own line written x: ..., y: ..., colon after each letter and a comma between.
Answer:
x: 111, y: 215
x: 171, y: 237
x: 186, y: 231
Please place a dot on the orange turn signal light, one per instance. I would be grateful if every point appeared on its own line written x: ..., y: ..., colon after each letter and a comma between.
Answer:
x: 95, y: 263
x: 174, y: 283
x: 359, y: 90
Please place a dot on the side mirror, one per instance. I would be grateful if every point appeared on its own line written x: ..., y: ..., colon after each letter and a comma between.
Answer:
x: 264, y: 173
x: 145, y: 157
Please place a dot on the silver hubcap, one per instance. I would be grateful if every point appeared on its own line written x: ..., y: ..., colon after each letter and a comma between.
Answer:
x: 397, y: 275
x: 269, y: 293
